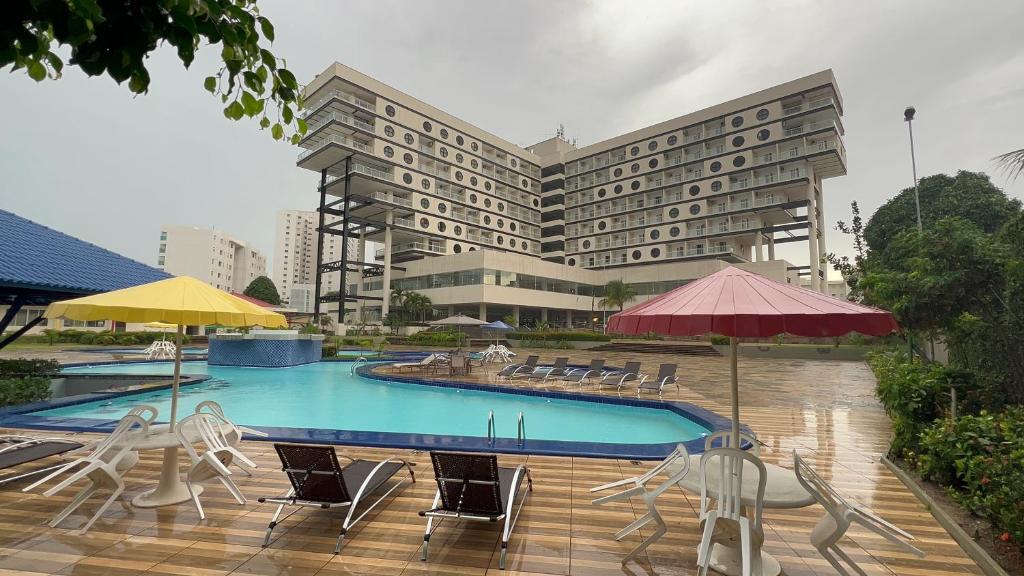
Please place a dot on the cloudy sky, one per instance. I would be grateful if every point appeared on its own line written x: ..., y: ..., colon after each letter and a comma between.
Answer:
x: 85, y: 156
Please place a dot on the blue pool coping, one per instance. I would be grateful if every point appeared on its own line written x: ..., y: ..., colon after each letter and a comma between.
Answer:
x: 22, y: 417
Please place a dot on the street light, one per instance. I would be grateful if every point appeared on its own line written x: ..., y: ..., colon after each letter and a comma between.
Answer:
x: 908, y: 117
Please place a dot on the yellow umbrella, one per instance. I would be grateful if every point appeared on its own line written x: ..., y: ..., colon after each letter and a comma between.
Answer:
x: 179, y: 301
x: 159, y: 325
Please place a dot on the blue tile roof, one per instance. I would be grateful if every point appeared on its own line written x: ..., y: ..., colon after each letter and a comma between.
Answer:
x: 41, y: 259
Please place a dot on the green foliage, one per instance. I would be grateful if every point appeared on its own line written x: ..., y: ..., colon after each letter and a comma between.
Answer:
x: 263, y: 288
x: 328, y: 351
x: 550, y: 344
x: 116, y: 38
x: 409, y: 307
x: 719, y: 340
x: 310, y: 329
x: 968, y: 195
x: 437, y: 338
x: 617, y: 294
x: 102, y: 338
x: 22, y: 367
x: 559, y: 336
x: 852, y: 270
x: 358, y: 342
x: 980, y: 458
x: 23, y: 390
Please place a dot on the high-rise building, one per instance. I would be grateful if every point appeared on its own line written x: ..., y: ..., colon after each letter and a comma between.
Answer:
x: 220, y: 260
x: 489, y: 228
x: 295, y: 249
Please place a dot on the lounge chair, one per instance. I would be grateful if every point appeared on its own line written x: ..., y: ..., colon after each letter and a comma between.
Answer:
x: 319, y: 481
x: 18, y: 450
x: 630, y: 373
x: 578, y: 375
x: 557, y: 369
x: 666, y: 375
x: 677, y: 465
x: 213, y: 462
x: 101, y: 468
x: 839, y: 515
x: 474, y: 487
x: 513, y: 370
x: 428, y: 362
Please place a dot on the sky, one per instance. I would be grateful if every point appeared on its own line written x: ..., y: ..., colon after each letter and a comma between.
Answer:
x: 85, y: 156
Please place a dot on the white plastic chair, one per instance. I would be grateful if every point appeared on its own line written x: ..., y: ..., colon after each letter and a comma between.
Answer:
x: 722, y: 514
x: 102, y: 467
x: 234, y: 433
x: 638, y: 487
x: 213, y: 462
x: 839, y: 515
x: 724, y: 440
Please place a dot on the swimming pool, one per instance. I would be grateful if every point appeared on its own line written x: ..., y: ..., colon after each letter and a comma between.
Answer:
x: 324, y: 402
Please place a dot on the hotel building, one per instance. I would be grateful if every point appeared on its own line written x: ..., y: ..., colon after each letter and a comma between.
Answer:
x: 220, y: 260
x: 489, y: 228
x: 295, y: 249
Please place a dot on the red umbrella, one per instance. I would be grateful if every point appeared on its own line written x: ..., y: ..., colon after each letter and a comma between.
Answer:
x: 741, y: 304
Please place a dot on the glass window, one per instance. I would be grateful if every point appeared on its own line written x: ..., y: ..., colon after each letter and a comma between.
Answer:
x: 672, y: 140
x: 673, y: 231
x: 716, y: 166
x: 617, y: 172
x: 444, y: 152
x: 694, y: 190
x: 636, y: 254
x: 424, y: 222
x: 655, y: 234
x: 389, y: 131
x: 459, y: 158
x: 407, y: 178
x: 474, y: 146
x: 444, y: 133
x: 762, y: 114
x: 739, y: 161
x: 458, y: 175
x: 652, y: 163
x: 634, y: 185
x: 389, y: 110
x: 673, y: 213
x: 634, y: 150
x: 634, y: 168
x: 694, y: 209
x: 652, y: 145
x: 389, y: 151
x: 737, y: 121
x: 460, y: 140
x: 763, y: 134
x: 409, y: 139
x: 472, y: 181
x: 716, y: 186
x: 408, y: 158
x: 427, y: 127
x: 737, y: 141
x: 425, y: 183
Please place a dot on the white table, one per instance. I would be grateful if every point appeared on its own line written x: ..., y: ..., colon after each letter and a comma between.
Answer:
x: 170, y: 489
x: 781, y: 490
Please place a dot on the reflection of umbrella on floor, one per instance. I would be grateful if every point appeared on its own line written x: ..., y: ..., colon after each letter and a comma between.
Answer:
x: 739, y: 304
x: 497, y: 327
x: 459, y: 320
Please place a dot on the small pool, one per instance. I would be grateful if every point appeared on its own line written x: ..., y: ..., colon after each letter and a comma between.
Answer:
x: 138, y: 351
x: 324, y: 402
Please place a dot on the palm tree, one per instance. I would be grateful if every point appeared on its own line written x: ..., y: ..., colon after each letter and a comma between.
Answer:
x: 617, y: 294
x: 398, y: 297
x: 1011, y: 163
x: 418, y: 305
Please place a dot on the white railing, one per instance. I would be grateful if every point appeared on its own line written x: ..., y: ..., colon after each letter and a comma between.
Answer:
x: 392, y: 199
x: 345, y: 96
x: 322, y: 141
x: 343, y: 118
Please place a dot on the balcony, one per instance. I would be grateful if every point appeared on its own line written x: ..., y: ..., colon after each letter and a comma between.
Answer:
x: 391, y: 199
x: 343, y: 96
x: 809, y: 127
x: 813, y: 104
x: 323, y: 141
x: 344, y: 119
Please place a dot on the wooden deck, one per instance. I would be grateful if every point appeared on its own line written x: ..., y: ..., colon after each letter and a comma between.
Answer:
x: 826, y: 410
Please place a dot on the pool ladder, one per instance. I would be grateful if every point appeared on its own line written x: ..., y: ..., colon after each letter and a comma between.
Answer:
x: 355, y: 364
x: 492, y: 433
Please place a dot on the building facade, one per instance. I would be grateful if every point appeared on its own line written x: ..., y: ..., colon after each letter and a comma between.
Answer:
x: 220, y: 260
x: 656, y: 207
x: 295, y: 251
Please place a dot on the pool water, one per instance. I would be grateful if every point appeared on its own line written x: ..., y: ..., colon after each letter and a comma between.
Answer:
x: 326, y: 395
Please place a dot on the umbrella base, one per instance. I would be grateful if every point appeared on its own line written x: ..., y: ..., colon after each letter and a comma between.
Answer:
x: 729, y: 561
x: 160, y: 496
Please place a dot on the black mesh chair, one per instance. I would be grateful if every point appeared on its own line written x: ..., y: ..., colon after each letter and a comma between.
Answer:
x: 318, y: 480
x: 666, y: 376
x: 474, y: 487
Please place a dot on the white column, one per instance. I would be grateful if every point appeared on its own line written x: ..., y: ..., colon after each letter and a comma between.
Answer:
x: 483, y: 311
x: 385, y: 304
x: 543, y: 314
x: 451, y: 309
x: 515, y: 315
x: 771, y: 246
x: 758, y: 247
x: 360, y: 258
x: 812, y: 239
x: 821, y: 240
x: 568, y: 318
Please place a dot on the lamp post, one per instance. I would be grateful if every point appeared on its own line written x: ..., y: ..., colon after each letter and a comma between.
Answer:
x: 908, y: 117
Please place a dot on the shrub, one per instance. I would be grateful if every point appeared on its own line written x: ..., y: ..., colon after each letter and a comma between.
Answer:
x: 27, y: 367
x: 104, y: 340
x: 719, y: 340
x: 437, y: 338
x: 552, y: 344
x: 310, y: 329
x: 329, y: 351
x: 23, y: 390
x: 980, y: 458
x: 559, y: 336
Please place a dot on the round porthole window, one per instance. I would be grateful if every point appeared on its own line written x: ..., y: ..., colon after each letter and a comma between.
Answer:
x: 474, y: 163
x: 617, y: 172
x: 655, y: 234
x: 459, y: 158
x: 716, y: 186
x: 634, y: 150
x: 694, y: 209
x: 513, y: 162
x: 472, y: 180
x: 501, y: 223
x: 762, y: 114
x: 763, y: 134
x: 458, y: 230
x: 457, y: 248
x: 512, y: 226
x: 460, y: 140
x: 636, y: 254
x: 653, y: 163
x: 655, y: 252
x: 602, y: 225
x: 501, y: 207
x: 444, y: 152
x: 737, y: 141
x: 601, y: 193
x: 407, y: 178
x: 672, y: 140
x: 673, y: 231
x: 409, y: 139
x: 634, y: 168
x: 673, y: 213
x: 424, y: 222
x: 408, y: 158
x: 716, y: 166
x: 694, y: 190
x: 571, y: 261
x: 737, y: 121
x: 487, y: 202
x: 634, y: 185
x: 444, y: 133
x: 472, y: 198
x: 441, y: 227
x: 442, y: 208
x: 474, y: 146
x: 458, y: 175
x: 501, y: 240
x: 389, y: 131
x: 487, y: 220
x: 536, y: 203
x: 586, y: 244
x: 652, y: 145
x: 389, y: 110
x: 389, y: 151
x: 427, y: 127
x: 618, y: 188
x: 425, y: 204
x: 739, y: 161
x: 487, y: 186
x: 526, y: 183
x: 425, y: 184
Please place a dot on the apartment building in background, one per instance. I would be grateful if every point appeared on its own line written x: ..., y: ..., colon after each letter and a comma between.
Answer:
x: 222, y: 261
x: 295, y: 250
x: 489, y: 228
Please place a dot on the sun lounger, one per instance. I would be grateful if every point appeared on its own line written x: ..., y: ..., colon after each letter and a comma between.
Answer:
x: 666, y: 375
x: 578, y: 375
x: 428, y: 362
x: 319, y: 481
x: 557, y: 369
x: 18, y: 450
x: 618, y: 379
x: 513, y: 370
x: 474, y: 487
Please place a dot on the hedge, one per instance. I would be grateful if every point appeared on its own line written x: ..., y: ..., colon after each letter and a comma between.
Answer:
x: 22, y: 367
x: 23, y: 390
x: 101, y: 338
x: 559, y: 336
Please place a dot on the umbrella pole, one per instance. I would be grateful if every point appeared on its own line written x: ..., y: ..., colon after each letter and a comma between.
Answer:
x: 735, y: 389
x: 177, y: 376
